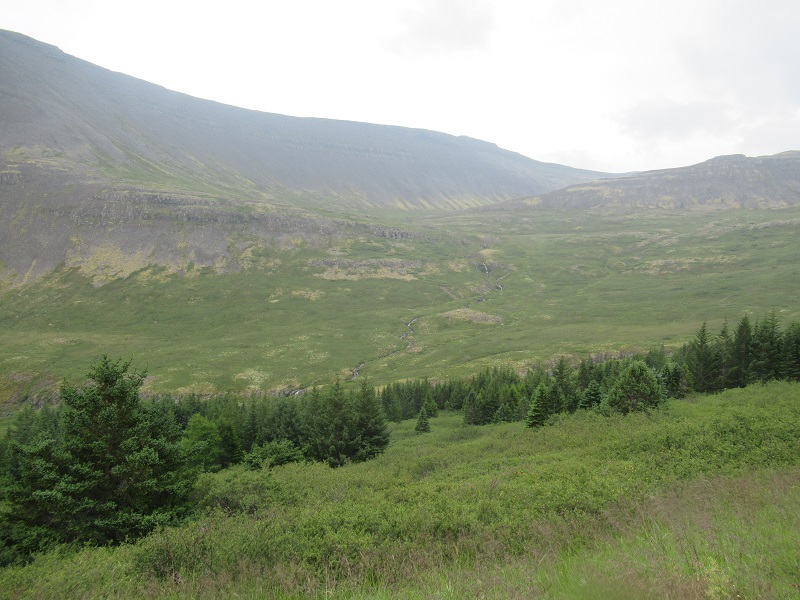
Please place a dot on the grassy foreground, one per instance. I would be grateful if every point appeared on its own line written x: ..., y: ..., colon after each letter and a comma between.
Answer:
x: 698, y: 500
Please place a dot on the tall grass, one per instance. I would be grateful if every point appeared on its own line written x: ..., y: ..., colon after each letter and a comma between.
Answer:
x: 699, y: 499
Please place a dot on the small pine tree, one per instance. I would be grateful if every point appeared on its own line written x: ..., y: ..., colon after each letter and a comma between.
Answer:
x: 471, y: 408
x: 636, y: 389
x: 505, y: 413
x: 592, y: 395
x: 202, y: 443
x: 370, y: 423
x: 675, y: 379
x: 430, y: 404
x: 703, y: 361
x: 791, y: 352
x: 422, y: 426
x: 535, y: 416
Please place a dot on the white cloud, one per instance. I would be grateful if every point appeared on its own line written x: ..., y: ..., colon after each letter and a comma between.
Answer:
x: 660, y: 118
x: 443, y: 25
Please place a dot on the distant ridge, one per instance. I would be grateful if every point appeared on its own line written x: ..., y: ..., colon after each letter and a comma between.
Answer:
x: 734, y: 181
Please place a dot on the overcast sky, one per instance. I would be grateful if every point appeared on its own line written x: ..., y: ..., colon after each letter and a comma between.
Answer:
x: 617, y: 85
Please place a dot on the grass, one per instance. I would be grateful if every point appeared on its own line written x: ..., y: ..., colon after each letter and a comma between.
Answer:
x: 558, y: 283
x: 698, y: 500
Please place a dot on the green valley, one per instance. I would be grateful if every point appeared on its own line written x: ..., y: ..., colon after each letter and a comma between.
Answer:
x: 483, y: 289
x: 332, y: 359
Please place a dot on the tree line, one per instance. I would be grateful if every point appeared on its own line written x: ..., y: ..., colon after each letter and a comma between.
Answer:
x: 104, y: 467
x: 751, y: 352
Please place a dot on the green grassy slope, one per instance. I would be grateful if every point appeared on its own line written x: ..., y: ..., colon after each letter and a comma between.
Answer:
x: 698, y: 500
x: 557, y: 283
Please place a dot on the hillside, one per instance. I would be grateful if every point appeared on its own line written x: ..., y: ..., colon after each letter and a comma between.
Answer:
x: 234, y: 250
x: 101, y: 169
x: 695, y: 500
x: 723, y: 182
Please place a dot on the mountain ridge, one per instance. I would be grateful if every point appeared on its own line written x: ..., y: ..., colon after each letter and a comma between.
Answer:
x: 91, y: 114
x: 729, y: 181
x: 104, y: 171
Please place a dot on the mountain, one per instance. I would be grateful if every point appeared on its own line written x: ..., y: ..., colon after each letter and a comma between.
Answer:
x: 228, y: 249
x: 733, y: 181
x: 57, y: 105
x: 110, y: 173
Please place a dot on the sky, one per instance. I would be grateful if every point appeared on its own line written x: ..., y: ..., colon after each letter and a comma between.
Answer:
x: 618, y: 85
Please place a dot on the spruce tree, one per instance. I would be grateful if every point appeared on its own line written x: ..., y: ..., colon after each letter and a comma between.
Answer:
x: 742, y: 342
x: 563, y: 380
x: 330, y: 427
x: 592, y: 395
x: 113, y: 472
x: 791, y: 352
x: 430, y: 404
x: 202, y: 443
x: 675, y: 379
x: 726, y: 359
x: 535, y: 416
x: 636, y: 389
x: 370, y: 423
x: 766, y: 350
x: 702, y: 361
x: 343, y: 427
x: 471, y: 407
x: 505, y: 413
x: 545, y: 399
x: 422, y: 426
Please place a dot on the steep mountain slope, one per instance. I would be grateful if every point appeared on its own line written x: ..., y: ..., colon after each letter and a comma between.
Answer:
x: 723, y: 182
x: 109, y: 173
x: 75, y: 110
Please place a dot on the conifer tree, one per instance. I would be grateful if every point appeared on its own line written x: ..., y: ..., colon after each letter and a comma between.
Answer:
x: 505, y: 413
x: 114, y: 471
x: 345, y: 427
x: 535, y: 416
x: 471, y: 407
x: 370, y: 423
x: 702, y: 361
x: 202, y: 443
x: 546, y: 399
x: 592, y: 395
x: 675, y: 378
x: 636, y: 389
x: 562, y: 380
x: 422, y: 426
x: 488, y: 401
x: 766, y: 352
x: 330, y: 427
x: 430, y: 405
x: 249, y: 433
x: 791, y: 352
x: 230, y: 449
x: 742, y: 342
x: 726, y: 359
